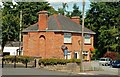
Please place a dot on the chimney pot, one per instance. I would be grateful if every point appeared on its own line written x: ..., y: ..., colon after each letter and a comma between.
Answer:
x: 76, y: 19
x: 42, y: 12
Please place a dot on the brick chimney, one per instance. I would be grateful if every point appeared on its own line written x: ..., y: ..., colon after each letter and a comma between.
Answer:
x: 42, y: 20
x: 76, y: 19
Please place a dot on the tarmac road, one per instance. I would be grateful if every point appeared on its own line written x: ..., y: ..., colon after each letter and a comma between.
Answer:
x: 59, y: 76
x: 35, y: 72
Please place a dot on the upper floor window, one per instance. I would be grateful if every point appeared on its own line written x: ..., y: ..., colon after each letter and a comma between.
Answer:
x: 87, y: 39
x: 67, y: 38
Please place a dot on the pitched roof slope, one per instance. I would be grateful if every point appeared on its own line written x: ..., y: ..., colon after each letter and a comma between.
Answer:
x: 60, y: 23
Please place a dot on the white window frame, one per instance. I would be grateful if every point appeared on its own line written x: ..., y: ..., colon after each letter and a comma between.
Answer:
x: 87, y: 39
x: 67, y: 38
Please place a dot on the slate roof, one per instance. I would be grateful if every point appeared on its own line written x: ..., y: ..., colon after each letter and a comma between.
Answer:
x: 60, y: 23
x: 13, y: 44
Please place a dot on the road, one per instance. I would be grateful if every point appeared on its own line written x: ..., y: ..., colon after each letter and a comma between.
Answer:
x: 108, y: 69
x: 35, y: 72
x: 40, y: 72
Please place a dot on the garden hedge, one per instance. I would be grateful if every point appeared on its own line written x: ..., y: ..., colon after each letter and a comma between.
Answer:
x: 22, y: 59
x: 58, y: 61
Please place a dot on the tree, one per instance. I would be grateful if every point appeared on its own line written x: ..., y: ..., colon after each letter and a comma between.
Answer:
x: 11, y: 17
x: 30, y: 11
x: 103, y: 18
x: 10, y: 23
x: 0, y: 25
x: 63, y: 11
x: 76, y: 12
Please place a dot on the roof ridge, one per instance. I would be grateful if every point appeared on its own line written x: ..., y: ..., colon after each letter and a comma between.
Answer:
x: 58, y: 23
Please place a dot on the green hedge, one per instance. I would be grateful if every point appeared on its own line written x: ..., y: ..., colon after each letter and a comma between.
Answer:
x: 78, y: 61
x: 22, y: 59
x: 58, y: 61
x: 52, y: 61
x: 45, y: 62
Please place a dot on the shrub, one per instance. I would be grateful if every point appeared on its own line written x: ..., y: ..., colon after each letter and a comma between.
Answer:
x: 22, y: 59
x: 62, y: 61
x: 95, y: 54
x: 118, y: 56
x: 57, y: 61
x: 74, y: 61
x: 48, y: 61
x: 112, y: 55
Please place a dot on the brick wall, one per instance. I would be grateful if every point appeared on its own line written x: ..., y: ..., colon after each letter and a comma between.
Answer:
x: 48, y: 44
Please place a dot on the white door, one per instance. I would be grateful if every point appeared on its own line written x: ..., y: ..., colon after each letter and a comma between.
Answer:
x: 68, y: 55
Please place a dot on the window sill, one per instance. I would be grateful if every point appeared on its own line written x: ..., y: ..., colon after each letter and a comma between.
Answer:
x: 67, y: 43
x: 87, y: 43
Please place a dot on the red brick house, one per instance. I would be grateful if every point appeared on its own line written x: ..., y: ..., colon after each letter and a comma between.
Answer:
x: 51, y: 36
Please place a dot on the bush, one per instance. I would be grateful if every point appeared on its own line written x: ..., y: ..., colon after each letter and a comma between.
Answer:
x: 95, y: 54
x: 58, y: 61
x: 118, y: 56
x: 62, y: 61
x: 22, y: 59
x: 112, y: 55
x: 49, y: 61
x: 74, y: 61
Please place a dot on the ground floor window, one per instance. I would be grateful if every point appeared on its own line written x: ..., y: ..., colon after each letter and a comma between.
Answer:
x: 85, y: 55
x: 76, y: 55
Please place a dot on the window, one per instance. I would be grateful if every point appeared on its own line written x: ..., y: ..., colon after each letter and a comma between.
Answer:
x: 85, y: 52
x: 67, y: 38
x: 76, y: 55
x: 85, y: 55
x: 87, y: 39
